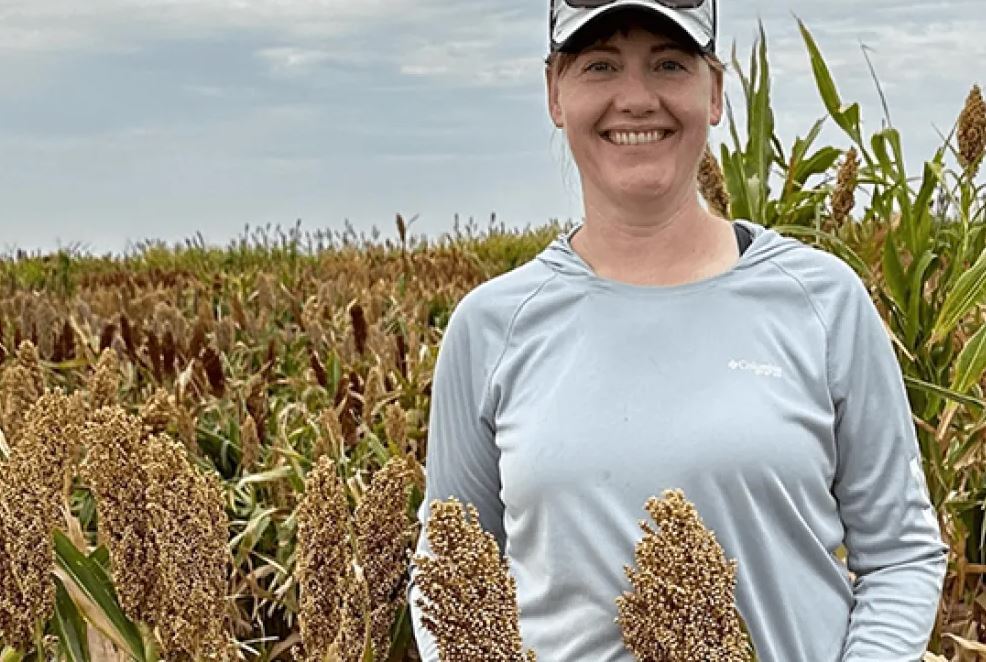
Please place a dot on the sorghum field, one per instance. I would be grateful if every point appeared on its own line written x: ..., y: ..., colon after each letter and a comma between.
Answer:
x: 217, y: 453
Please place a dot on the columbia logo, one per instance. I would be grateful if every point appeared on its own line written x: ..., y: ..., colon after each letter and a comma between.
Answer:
x: 763, y: 369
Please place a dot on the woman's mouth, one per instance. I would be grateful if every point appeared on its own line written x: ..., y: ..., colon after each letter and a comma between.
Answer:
x: 631, y: 138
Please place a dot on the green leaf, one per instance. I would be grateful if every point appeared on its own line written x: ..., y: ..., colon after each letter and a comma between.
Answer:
x: 73, y: 639
x: 823, y: 77
x: 85, y: 579
x: 269, y: 476
x: 918, y: 270
x: 971, y: 363
x: 968, y: 291
x: 8, y: 654
x: 244, y: 541
x: 935, y: 389
x: 846, y: 118
x: 816, y: 164
x: 735, y: 183
x: 893, y: 270
x: 929, y: 182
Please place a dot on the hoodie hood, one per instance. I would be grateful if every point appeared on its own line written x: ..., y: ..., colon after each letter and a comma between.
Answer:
x: 561, y: 258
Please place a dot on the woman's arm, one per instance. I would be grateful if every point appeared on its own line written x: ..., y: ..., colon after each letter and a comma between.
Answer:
x: 462, y: 458
x: 892, y: 535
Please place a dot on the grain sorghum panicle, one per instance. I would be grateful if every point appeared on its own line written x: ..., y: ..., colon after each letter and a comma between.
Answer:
x: 470, y: 598
x: 104, y: 385
x: 21, y: 384
x: 190, y: 530
x: 27, y: 356
x: 249, y: 444
x: 395, y: 425
x: 712, y: 184
x: 972, y: 129
x: 32, y: 493
x: 324, y: 557
x: 383, y: 540
x: 17, y: 395
x: 159, y: 412
x: 681, y: 607
x: 844, y: 193
x: 113, y: 470
x: 360, y: 328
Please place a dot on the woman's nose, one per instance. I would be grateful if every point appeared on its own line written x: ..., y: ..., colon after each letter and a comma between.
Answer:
x: 636, y: 94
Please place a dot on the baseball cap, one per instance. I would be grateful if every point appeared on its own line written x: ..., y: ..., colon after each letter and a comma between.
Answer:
x: 698, y: 19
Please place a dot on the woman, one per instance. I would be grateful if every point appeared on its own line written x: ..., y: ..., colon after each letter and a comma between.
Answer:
x: 652, y: 348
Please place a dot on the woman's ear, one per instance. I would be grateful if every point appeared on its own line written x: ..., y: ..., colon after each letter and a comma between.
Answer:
x: 715, y: 100
x: 554, y: 108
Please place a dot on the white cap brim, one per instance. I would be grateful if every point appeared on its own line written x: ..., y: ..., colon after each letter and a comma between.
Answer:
x: 699, y: 23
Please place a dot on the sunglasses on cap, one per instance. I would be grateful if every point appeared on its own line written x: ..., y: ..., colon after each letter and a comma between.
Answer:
x: 670, y: 4
x: 697, y: 18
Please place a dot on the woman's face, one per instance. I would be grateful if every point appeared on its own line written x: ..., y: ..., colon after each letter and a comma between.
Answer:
x: 642, y: 82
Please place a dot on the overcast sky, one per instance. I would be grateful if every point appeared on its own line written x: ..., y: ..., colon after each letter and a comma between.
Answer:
x: 123, y: 120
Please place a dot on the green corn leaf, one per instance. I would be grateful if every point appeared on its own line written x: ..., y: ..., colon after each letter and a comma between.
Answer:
x: 269, y: 476
x: 929, y: 182
x: 93, y: 594
x: 73, y: 639
x: 971, y: 363
x: 918, y: 270
x: 816, y: 164
x: 8, y: 654
x: 942, y: 391
x: 760, y: 121
x: 823, y: 77
x: 735, y: 178
x: 893, y: 270
x: 969, y: 290
x: 244, y: 541
x: 846, y: 118
x: 744, y: 81
x: 101, y: 555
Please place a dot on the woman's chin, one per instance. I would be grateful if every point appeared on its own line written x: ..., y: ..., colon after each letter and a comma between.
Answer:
x: 656, y: 189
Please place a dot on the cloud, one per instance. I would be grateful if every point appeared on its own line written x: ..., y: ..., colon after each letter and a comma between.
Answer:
x: 292, y: 61
x: 68, y: 25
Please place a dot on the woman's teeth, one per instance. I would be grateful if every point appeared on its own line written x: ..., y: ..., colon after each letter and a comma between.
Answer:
x: 626, y: 138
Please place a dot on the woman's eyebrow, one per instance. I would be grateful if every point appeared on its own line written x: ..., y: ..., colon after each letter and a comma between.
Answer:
x: 659, y: 48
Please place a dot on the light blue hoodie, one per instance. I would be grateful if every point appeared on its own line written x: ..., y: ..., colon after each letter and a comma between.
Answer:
x: 769, y: 393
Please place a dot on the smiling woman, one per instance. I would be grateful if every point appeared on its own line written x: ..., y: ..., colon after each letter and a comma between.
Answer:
x: 650, y: 349
x: 636, y: 93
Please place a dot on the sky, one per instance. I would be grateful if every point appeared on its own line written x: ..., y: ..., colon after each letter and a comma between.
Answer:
x: 130, y: 120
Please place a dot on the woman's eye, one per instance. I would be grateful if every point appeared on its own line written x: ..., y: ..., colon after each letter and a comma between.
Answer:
x: 591, y: 66
x: 666, y: 65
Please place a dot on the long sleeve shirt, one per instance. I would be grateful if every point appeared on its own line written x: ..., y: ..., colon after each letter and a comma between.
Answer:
x: 770, y: 394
